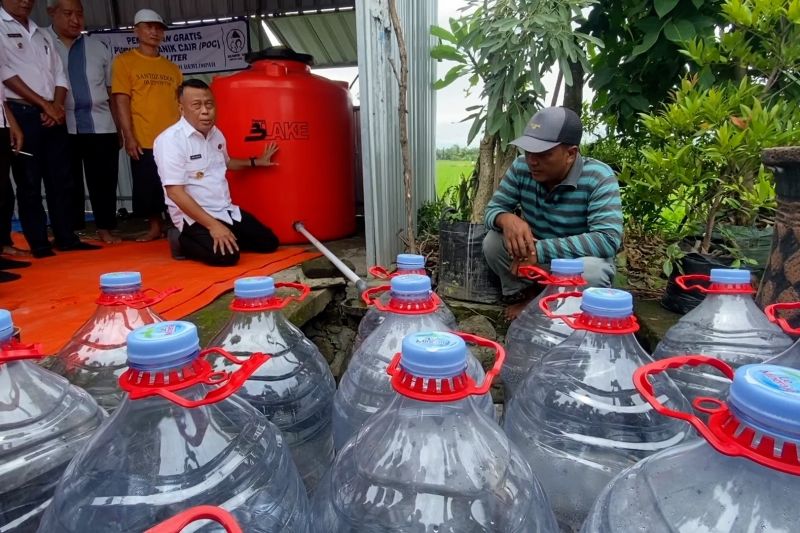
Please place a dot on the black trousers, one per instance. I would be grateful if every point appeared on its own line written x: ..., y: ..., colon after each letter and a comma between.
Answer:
x: 251, y: 236
x: 50, y: 164
x: 148, y: 193
x: 6, y: 190
x: 96, y: 155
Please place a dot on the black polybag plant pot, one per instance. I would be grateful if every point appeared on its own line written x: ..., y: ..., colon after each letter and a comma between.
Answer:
x: 463, y: 271
x: 676, y: 299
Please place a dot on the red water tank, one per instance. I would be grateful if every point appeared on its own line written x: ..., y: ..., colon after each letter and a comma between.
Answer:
x: 310, y: 118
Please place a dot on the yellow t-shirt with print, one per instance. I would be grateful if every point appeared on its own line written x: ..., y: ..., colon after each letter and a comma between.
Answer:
x: 151, y: 82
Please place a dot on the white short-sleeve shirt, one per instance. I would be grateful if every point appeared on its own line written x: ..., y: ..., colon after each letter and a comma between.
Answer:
x: 30, y: 54
x: 185, y: 157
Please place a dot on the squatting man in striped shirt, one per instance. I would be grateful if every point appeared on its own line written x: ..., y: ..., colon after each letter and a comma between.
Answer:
x: 569, y: 207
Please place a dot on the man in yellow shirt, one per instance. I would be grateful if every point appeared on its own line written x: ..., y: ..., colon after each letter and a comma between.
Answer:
x: 144, y: 85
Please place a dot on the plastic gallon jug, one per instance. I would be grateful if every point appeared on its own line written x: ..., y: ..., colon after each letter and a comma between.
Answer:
x: 743, y: 476
x: 406, y: 264
x: 44, y: 422
x: 578, y: 417
x: 790, y: 357
x: 727, y: 324
x: 364, y: 388
x: 533, y: 333
x: 431, y: 460
x: 95, y: 356
x: 179, y: 439
x: 294, y: 389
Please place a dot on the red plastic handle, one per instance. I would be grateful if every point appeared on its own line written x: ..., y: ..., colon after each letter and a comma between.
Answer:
x: 14, y: 350
x: 273, y: 302
x: 544, y: 305
x: 228, y: 382
x: 772, y: 314
x: 202, y: 512
x: 682, y: 282
x: 370, y: 296
x: 379, y: 272
x: 535, y: 273
x: 465, y: 386
x: 645, y: 388
x: 139, y: 302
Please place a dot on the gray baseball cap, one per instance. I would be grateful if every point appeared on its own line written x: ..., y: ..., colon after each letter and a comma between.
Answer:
x: 550, y: 127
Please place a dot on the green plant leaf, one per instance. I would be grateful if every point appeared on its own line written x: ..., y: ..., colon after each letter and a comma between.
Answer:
x: 663, y: 7
x: 647, y: 43
x: 452, y: 75
x: 445, y: 51
x: 443, y: 34
x: 679, y: 31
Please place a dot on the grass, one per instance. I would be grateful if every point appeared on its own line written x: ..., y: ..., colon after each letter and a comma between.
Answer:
x: 448, y: 173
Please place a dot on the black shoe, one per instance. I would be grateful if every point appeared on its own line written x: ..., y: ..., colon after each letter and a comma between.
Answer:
x: 42, y: 252
x: 78, y: 246
x: 8, y: 276
x: 174, y: 239
x: 9, y: 264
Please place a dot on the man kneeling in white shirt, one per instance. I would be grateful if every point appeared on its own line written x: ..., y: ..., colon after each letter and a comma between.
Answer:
x: 192, y: 158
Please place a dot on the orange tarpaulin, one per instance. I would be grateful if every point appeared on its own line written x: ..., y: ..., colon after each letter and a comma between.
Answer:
x: 56, y: 295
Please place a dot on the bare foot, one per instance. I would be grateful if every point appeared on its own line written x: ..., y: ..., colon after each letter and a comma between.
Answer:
x: 13, y: 250
x: 156, y: 231
x: 106, y: 236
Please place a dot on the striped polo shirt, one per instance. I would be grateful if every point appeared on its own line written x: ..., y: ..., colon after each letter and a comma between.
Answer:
x: 580, y: 217
x: 87, y: 65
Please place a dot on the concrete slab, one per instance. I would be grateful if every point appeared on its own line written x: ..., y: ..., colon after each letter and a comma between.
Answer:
x: 654, y: 322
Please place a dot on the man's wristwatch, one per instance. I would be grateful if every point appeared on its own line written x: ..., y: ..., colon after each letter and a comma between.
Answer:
x: 253, y: 162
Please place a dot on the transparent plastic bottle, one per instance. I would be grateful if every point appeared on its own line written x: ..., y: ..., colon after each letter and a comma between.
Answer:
x: 364, y: 388
x: 790, y: 357
x: 532, y: 334
x: 578, y: 418
x: 44, y: 422
x: 406, y: 264
x: 727, y: 324
x: 431, y: 461
x: 294, y: 389
x: 179, y: 439
x: 94, y: 358
x: 743, y: 476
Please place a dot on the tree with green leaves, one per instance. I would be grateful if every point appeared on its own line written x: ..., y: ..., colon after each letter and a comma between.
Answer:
x: 505, y: 47
x: 640, y: 62
x: 704, y: 145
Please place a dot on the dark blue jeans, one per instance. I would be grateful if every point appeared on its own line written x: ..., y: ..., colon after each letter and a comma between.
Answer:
x: 51, y: 164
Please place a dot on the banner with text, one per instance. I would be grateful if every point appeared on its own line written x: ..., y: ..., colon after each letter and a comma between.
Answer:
x: 197, y: 49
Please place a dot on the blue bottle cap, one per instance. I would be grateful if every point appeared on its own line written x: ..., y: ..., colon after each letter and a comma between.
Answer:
x: 410, y: 284
x: 566, y: 266
x: 6, y: 325
x: 410, y: 262
x: 120, y: 280
x: 768, y: 395
x: 254, y: 287
x: 730, y: 276
x: 607, y: 303
x: 433, y: 355
x: 162, y: 345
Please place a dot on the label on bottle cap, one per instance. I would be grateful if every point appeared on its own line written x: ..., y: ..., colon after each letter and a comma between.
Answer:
x: 784, y: 381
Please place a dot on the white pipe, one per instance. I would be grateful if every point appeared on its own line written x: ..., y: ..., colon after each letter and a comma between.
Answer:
x: 361, y: 285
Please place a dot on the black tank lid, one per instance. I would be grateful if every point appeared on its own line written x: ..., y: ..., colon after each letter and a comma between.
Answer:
x: 279, y: 52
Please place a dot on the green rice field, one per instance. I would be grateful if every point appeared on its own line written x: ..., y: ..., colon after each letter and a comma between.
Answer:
x: 448, y: 173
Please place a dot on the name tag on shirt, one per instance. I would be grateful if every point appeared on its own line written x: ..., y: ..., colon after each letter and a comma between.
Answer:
x: 15, y: 35
x: 195, y: 156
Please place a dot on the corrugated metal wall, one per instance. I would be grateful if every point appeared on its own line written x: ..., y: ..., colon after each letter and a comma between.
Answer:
x: 383, y: 175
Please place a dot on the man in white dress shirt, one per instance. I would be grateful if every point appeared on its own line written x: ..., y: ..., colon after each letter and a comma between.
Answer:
x: 35, y: 91
x: 192, y: 158
x: 94, y: 142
